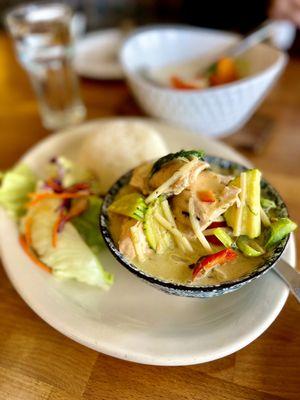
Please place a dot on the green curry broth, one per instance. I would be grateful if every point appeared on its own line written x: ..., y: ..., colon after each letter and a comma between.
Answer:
x: 176, y: 266
x: 164, y: 267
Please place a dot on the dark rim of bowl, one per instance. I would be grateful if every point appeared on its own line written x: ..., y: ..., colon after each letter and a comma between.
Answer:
x: 259, y: 270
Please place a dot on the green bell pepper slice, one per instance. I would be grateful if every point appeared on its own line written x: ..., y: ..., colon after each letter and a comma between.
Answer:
x: 279, y: 230
x: 249, y: 247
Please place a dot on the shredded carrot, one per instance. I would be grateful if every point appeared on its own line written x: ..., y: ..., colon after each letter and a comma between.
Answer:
x: 226, y: 72
x: 37, y: 197
x: 31, y: 255
x: 78, y: 207
x: 178, y: 83
x: 206, y: 196
x: 55, y: 230
x: 28, y: 225
x: 54, y: 185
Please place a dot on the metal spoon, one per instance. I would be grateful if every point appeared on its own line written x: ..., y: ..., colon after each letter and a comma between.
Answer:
x: 290, y: 276
x: 258, y: 35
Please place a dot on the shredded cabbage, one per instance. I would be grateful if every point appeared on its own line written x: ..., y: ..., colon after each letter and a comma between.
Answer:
x: 70, y: 173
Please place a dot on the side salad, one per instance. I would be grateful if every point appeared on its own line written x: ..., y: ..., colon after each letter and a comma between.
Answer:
x: 57, y: 217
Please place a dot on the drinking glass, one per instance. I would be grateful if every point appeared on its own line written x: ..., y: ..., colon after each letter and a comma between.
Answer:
x: 44, y: 46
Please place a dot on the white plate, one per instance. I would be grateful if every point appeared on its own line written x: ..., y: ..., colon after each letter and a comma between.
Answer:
x: 97, y: 55
x: 134, y: 321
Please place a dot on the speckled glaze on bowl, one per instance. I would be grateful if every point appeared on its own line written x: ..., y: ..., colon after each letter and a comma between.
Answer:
x: 185, y: 290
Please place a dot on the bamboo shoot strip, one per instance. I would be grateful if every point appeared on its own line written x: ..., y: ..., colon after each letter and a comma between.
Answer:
x: 196, y: 226
x: 239, y: 215
x: 175, y: 232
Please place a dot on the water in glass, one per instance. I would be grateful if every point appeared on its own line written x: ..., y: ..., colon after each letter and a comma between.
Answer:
x: 44, y: 47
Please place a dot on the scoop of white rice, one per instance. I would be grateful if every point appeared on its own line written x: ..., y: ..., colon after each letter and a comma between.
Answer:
x: 118, y: 147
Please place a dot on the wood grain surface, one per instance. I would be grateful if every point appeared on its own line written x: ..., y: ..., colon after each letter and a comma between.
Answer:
x: 36, y: 362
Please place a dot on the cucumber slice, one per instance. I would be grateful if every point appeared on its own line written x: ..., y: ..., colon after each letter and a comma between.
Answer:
x: 131, y: 205
x: 158, y: 237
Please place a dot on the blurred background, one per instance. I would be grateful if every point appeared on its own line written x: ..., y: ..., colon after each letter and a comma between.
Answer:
x: 233, y: 15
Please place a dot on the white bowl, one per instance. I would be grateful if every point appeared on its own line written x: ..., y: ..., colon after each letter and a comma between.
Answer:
x: 213, y: 111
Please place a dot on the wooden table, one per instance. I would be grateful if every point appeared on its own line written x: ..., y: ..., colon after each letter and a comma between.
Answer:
x: 36, y: 362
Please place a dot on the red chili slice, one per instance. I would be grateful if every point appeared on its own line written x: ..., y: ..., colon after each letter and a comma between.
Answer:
x: 77, y: 187
x: 217, y: 224
x: 213, y: 240
x: 208, y: 262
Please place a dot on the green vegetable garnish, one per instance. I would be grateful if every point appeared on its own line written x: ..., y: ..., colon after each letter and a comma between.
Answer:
x: 211, y: 70
x: 131, y: 205
x: 279, y: 230
x: 88, y: 226
x: 158, y: 238
x: 267, y: 204
x: 15, y: 186
x: 224, y: 238
x: 249, y: 247
x: 187, y: 154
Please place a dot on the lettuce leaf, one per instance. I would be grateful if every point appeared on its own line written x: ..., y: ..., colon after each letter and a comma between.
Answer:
x: 15, y: 186
x: 87, y: 224
x: 72, y: 258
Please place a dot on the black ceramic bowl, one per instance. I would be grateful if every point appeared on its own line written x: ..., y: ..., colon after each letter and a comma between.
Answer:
x: 185, y: 290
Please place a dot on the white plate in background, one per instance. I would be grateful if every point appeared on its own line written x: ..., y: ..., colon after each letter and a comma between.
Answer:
x: 134, y: 321
x: 97, y: 55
